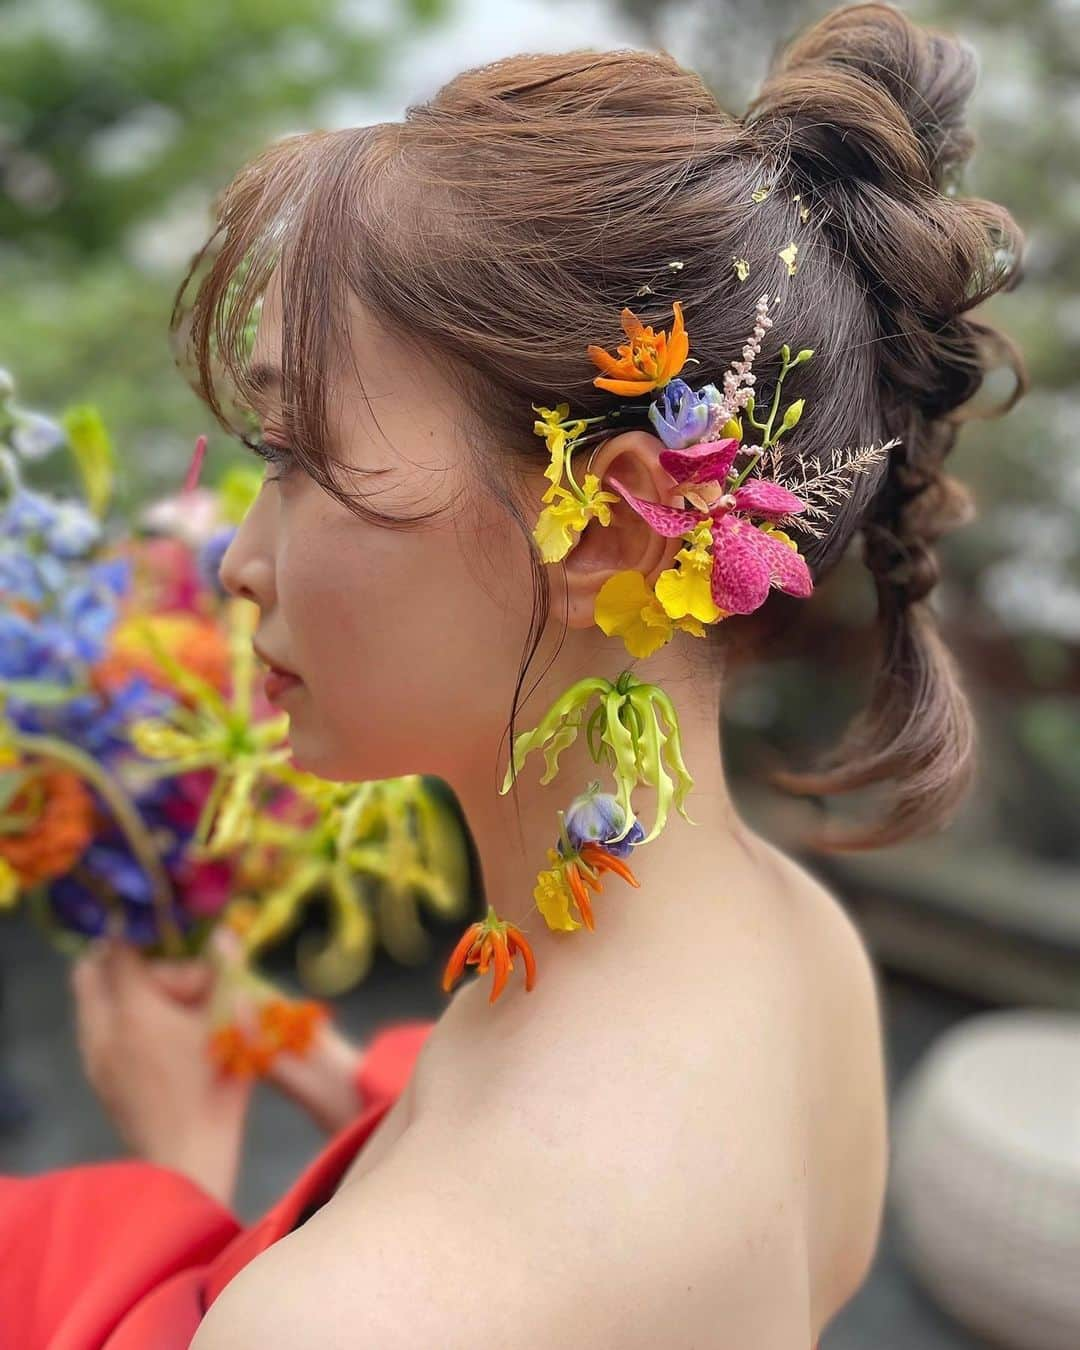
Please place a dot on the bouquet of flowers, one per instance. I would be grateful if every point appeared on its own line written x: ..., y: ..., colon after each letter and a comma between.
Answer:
x: 146, y: 788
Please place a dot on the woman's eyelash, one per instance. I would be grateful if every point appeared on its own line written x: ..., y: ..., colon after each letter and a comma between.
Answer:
x: 273, y: 454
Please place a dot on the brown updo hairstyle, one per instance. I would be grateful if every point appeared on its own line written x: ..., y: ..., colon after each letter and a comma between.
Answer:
x: 507, y: 221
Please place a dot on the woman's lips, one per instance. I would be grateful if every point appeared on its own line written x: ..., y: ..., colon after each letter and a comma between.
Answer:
x: 279, y: 682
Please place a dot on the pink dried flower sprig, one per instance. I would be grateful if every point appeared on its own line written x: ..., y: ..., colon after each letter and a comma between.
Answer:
x: 739, y: 377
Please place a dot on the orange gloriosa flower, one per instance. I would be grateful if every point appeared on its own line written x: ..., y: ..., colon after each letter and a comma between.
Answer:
x: 647, y: 361
x: 491, y: 941
x: 58, y: 811
x: 585, y: 869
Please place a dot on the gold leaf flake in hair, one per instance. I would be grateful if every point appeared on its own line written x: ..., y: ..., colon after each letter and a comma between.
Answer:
x: 787, y: 255
x: 742, y: 268
x: 759, y: 194
x: 675, y: 265
x: 804, y: 213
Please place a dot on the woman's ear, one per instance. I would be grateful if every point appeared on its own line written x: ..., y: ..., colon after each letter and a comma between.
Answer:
x: 628, y: 543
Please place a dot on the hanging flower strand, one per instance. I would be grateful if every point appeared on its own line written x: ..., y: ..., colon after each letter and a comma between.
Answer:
x: 735, y: 551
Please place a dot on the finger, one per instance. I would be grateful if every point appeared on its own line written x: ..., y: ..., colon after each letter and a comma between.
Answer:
x: 188, y: 982
x: 87, y: 974
x: 93, y: 997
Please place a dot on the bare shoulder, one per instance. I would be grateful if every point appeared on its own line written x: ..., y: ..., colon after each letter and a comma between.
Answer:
x: 848, y: 1120
x: 639, y: 1171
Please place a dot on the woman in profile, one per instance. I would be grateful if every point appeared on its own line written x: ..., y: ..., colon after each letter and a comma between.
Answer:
x: 668, y: 1131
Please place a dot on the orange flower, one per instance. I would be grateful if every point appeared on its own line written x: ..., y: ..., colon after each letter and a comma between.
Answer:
x: 585, y: 869
x: 490, y: 941
x: 197, y: 643
x: 647, y: 361
x: 59, y: 815
x: 248, y: 1045
x: 289, y: 1025
x: 238, y: 1054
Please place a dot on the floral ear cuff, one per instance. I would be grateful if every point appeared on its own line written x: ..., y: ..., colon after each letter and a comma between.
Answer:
x: 739, y: 500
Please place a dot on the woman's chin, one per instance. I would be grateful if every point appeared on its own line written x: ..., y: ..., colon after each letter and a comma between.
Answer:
x: 327, y: 756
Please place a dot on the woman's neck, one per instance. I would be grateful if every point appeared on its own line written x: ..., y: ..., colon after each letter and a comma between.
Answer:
x: 513, y: 833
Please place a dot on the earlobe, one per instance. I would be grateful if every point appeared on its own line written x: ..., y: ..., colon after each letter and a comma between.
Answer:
x: 628, y: 543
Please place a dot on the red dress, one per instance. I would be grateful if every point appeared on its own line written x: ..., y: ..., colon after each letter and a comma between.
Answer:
x: 129, y: 1255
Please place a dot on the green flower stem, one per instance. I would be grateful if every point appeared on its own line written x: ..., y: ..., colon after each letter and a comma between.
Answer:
x: 564, y: 837
x: 127, y: 817
x: 775, y: 408
x: 744, y: 473
x: 568, y: 465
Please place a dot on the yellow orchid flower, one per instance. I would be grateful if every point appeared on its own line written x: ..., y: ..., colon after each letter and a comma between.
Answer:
x: 559, y: 525
x: 553, y: 896
x: 766, y: 527
x: 686, y: 589
x: 559, y: 435
x: 626, y: 607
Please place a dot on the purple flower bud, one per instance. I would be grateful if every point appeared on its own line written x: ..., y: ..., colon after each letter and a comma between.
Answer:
x: 679, y: 415
x: 595, y: 818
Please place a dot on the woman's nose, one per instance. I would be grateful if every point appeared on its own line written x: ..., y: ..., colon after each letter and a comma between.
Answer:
x: 247, y: 567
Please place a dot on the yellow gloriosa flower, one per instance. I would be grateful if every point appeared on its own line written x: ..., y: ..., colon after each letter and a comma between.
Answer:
x: 686, y: 589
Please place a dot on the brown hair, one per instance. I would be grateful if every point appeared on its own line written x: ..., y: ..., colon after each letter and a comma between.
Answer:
x: 507, y: 221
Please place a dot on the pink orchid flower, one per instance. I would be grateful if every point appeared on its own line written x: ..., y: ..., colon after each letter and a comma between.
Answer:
x: 747, y: 561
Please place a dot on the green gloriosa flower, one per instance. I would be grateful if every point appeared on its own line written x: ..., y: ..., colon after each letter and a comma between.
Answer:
x: 631, y: 727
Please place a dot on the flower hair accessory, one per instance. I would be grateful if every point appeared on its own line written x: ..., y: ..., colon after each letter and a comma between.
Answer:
x: 736, y: 549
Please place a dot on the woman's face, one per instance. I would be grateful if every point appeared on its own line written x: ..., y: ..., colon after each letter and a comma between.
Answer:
x: 406, y: 642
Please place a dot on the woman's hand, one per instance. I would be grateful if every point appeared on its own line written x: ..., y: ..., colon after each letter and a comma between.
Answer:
x: 143, y: 1028
x: 324, y: 1080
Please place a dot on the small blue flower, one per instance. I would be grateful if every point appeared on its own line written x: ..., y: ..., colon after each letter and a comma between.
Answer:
x: 114, y: 574
x: 596, y: 818
x: 20, y: 578
x: 28, y: 649
x: 680, y: 416
x: 74, y: 531
x: 35, y: 436
x: 96, y: 723
x: 89, y: 614
x: 28, y: 514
